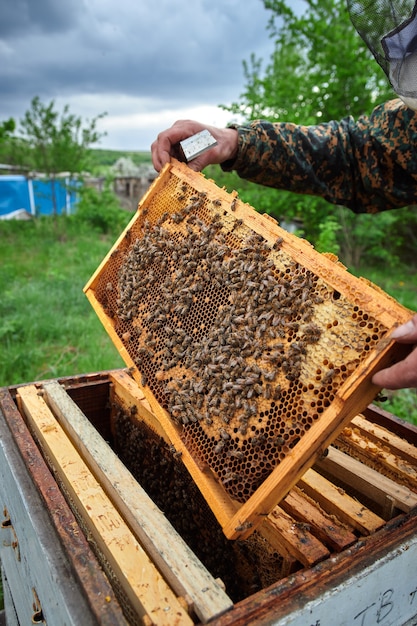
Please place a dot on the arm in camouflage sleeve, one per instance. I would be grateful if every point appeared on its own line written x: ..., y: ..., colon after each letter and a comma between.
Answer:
x: 369, y: 165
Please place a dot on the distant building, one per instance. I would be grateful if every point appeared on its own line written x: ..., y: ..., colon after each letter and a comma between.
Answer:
x: 23, y: 196
x: 131, y: 181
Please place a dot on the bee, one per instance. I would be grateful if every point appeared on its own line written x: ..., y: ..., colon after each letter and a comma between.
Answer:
x: 230, y: 477
x: 243, y: 428
x: 177, y: 218
x: 258, y: 440
x: 218, y: 448
x: 269, y: 376
x: 217, y: 202
x: 328, y: 377
x: 233, y: 204
x: 223, y: 434
x: 238, y: 402
x: 277, y: 392
x: 278, y: 243
x: 312, y: 333
x: 175, y: 453
x: 268, y: 391
x: 237, y: 454
x: 244, y: 526
x: 380, y: 397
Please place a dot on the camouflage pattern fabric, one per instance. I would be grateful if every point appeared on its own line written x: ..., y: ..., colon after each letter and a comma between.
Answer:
x: 369, y: 165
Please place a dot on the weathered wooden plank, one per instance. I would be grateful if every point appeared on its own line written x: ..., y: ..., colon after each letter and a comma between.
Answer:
x: 325, y: 527
x: 179, y: 565
x: 377, y: 455
x: 395, y: 425
x: 76, y: 574
x: 289, y: 536
x: 335, y: 501
x: 398, y: 446
x: 365, y: 480
x: 149, y: 595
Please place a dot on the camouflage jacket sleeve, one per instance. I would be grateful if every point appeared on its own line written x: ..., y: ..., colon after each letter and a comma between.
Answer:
x: 369, y: 165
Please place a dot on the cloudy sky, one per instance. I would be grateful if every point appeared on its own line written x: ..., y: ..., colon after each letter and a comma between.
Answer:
x: 146, y: 63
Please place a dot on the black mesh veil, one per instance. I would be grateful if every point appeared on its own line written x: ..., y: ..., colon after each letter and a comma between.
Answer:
x: 389, y: 28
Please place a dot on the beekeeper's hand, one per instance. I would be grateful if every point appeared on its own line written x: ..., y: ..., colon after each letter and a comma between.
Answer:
x: 166, y: 144
x: 404, y: 373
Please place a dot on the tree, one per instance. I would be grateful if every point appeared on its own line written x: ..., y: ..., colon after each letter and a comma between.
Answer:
x: 56, y: 142
x: 6, y: 130
x: 320, y: 70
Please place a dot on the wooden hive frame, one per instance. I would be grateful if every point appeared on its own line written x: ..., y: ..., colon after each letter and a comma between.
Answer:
x: 308, y: 359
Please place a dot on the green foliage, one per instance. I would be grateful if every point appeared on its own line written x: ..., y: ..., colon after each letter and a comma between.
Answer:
x: 402, y: 404
x: 101, y: 160
x: 387, y: 237
x: 100, y: 211
x: 321, y: 70
x: 53, y: 142
x: 6, y: 128
x: 327, y: 239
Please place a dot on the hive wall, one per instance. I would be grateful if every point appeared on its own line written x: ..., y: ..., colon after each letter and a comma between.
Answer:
x: 235, y: 333
x: 244, y: 567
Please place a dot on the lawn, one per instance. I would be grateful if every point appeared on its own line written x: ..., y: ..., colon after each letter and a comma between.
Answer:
x: 47, y: 326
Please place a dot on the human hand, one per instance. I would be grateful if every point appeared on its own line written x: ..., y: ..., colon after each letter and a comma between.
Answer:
x: 166, y: 144
x: 404, y: 373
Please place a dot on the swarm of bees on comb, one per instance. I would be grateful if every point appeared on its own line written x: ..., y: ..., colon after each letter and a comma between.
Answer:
x: 241, y: 344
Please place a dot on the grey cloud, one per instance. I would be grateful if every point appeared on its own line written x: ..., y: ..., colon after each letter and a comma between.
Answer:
x: 28, y: 16
x: 179, y: 52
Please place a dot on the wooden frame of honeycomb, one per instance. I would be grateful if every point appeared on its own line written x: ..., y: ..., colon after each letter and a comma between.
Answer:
x: 252, y: 349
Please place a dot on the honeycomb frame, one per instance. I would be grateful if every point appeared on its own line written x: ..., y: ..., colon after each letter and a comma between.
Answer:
x: 252, y: 349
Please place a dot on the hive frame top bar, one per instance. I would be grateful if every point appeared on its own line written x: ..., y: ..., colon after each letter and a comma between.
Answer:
x: 196, y: 281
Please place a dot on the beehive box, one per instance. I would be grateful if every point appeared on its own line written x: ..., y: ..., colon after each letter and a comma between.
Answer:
x: 253, y: 350
x: 340, y: 548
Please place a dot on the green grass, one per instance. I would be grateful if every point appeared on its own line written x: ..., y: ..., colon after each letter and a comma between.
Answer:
x: 47, y: 326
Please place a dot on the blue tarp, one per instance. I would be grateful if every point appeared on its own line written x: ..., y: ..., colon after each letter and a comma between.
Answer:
x: 35, y: 195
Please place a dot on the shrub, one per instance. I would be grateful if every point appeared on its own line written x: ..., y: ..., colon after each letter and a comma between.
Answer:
x: 100, y: 210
